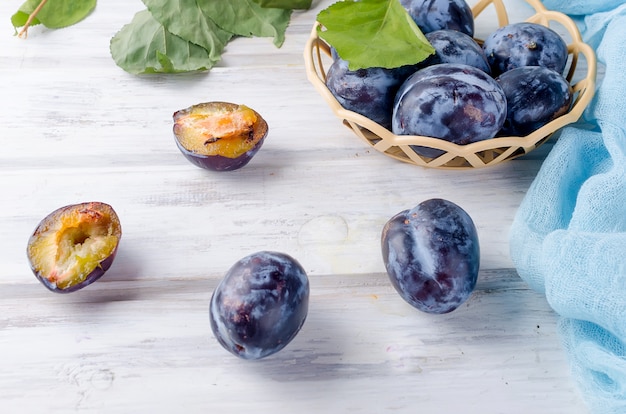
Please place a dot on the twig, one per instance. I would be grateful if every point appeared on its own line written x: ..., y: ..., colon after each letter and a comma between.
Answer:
x: 24, y: 32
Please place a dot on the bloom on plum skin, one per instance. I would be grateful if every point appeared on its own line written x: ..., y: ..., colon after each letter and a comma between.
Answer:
x: 431, y: 254
x: 260, y: 305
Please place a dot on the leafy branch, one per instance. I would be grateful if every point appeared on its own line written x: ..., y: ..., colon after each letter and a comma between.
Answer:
x: 171, y: 35
x: 24, y: 32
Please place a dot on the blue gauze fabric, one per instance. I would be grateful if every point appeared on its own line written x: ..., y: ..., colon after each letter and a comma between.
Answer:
x: 568, y: 238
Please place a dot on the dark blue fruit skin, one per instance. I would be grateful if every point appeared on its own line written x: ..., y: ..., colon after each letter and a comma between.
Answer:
x: 431, y: 15
x: 452, y: 46
x: 260, y: 304
x: 219, y: 162
x: 525, y: 44
x: 535, y: 96
x: 432, y: 255
x: 458, y: 103
x: 370, y: 91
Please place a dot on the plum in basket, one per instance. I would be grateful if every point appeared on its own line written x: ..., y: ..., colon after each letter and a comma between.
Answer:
x: 260, y: 304
x: 219, y: 136
x: 431, y: 15
x: 455, y: 102
x: 535, y: 96
x: 525, y: 44
x: 369, y: 91
x: 74, y: 246
x: 452, y: 46
x: 432, y: 255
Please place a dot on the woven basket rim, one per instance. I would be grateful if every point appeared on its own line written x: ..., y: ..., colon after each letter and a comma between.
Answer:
x: 479, y: 154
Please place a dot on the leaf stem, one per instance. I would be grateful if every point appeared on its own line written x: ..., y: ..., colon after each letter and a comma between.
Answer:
x: 24, y: 32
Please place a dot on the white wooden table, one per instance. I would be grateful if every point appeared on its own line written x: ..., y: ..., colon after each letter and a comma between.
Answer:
x: 75, y: 127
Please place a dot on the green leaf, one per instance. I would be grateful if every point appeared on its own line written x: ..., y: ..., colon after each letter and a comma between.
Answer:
x: 55, y: 14
x: 373, y: 33
x: 145, y: 46
x: 20, y: 18
x: 185, y: 19
x: 285, y: 4
x: 247, y: 18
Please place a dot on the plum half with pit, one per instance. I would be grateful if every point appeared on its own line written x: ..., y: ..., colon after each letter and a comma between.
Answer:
x: 219, y: 136
x: 74, y: 246
x: 431, y: 253
x: 260, y: 304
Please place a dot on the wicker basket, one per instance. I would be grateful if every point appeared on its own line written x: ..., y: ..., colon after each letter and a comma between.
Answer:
x: 478, y: 154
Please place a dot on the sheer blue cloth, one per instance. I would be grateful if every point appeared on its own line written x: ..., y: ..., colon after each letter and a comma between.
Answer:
x: 568, y: 238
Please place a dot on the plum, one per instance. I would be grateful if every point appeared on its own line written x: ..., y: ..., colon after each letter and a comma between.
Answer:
x: 260, y: 304
x: 525, y: 44
x: 219, y: 136
x: 455, y: 102
x: 74, y: 245
x: 431, y: 253
x: 431, y: 15
x: 369, y: 91
x: 452, y: 46
x: 535, y: 96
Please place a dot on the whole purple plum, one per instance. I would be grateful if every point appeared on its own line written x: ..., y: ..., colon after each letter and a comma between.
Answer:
x: 219, y: 136
x: 525, y: 44
x: 74, y: 246
x: 260, y: 304
x: 535, y: 96
x: 455, y: 102
x: 369, y: 91
x: 452, y: 46
x: 431, y: 15
x: 431, y: 253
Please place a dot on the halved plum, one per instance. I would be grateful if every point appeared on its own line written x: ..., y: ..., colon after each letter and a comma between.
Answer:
x: 74, y: 246
x: 219, y: 136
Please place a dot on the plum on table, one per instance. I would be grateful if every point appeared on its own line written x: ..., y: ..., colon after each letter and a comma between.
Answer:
x: 260, y: 305
x: 74, y: 245
x: 432, y: 254
x: 219, y: 136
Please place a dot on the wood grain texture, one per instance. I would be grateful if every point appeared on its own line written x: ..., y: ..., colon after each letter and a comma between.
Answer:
x: 75, y: 127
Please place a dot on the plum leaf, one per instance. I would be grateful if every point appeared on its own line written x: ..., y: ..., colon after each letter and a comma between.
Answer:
x: 53, y: 14
x: 373, y: 33
x: 285, y: 4
x: 145, y: 46
x: 185, y: 19
x: 20, y: 18
x: 247, y: 18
